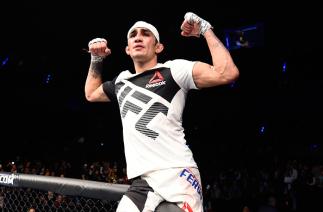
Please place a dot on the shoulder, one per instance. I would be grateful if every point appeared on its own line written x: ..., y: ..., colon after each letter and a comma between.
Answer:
x: 179, y: 65
x: 181, y: 71
x: 123, y: 75
x: 177, y: 62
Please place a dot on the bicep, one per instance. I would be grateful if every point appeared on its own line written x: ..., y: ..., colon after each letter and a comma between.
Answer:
x: 99, y: 95
x: 204, y: 75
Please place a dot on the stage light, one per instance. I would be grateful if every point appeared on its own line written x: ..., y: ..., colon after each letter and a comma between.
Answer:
x: 48, y: 78
x: 284, y: 67
x: 262, y: 129
x: 244, y: 37
x: 5, y: 61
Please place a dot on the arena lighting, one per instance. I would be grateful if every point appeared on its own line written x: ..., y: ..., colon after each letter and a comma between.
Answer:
x: 244, y: 37
x: 48, y: 78
x: 314, y: 147
x: 284, y: 67
x: 4, y: 62
x: 262, y: 130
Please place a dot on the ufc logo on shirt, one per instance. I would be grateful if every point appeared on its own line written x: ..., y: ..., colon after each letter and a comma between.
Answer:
x: 149, y: 114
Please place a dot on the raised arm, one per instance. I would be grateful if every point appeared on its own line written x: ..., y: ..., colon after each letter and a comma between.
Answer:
x: 93, y: 84
x: 223, y: 70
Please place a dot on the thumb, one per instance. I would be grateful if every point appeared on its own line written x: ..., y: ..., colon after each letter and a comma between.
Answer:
x: 107, y: 51
x: 185, y: 34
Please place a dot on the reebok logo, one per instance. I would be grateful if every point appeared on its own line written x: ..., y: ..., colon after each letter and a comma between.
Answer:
x: 156, y: 80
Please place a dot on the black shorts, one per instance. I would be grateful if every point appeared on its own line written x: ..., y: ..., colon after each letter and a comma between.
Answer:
x: 138, y: 193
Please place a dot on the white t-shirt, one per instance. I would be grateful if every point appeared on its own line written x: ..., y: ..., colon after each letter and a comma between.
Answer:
x: 151, y: 106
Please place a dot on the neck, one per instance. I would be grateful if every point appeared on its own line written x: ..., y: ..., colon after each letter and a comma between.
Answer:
x: 144, y: 66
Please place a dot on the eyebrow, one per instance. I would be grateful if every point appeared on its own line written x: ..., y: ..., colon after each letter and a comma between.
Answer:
x: 143, y: 29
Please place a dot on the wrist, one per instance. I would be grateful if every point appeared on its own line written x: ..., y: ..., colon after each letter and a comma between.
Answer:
x: 204, y: 26
x: 96, y: 58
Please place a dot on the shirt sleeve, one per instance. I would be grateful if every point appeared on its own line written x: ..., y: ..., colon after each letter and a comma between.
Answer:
x: 109, y: 89
x: 182, y: 71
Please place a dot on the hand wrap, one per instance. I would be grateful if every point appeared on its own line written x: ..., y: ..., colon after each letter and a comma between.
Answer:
x: 96, y: 58
x: 203, y: 24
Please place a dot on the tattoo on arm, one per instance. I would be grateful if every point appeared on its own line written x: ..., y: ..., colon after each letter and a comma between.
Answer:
x: 215, y: 45
x: 96, y: 69
x: 218, y: 43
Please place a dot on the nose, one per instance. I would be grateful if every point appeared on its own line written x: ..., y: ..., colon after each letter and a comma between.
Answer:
x: 138, y: 38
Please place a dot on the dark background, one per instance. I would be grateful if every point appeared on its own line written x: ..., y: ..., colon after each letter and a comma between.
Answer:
x: 44, y: 41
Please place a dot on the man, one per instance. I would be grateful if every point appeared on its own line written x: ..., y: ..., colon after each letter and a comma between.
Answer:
x: 151, y: 102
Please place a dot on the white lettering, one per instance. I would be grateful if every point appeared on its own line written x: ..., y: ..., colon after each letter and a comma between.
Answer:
x: 156, y: 84
x: 7, y: 179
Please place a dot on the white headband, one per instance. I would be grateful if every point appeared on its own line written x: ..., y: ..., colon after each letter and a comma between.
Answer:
x: 143, y: 24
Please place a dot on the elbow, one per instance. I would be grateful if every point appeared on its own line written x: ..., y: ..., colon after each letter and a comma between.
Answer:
x: 89, y: 98
x: 96, y: 96
x: 235, y: 73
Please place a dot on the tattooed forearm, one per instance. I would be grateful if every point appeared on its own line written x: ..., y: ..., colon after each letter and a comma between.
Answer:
x: 96, y: 69
x: 217, y: 43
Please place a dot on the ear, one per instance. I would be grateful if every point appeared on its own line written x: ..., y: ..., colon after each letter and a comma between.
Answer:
x: 159, y: 48
x: 127, y: 50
